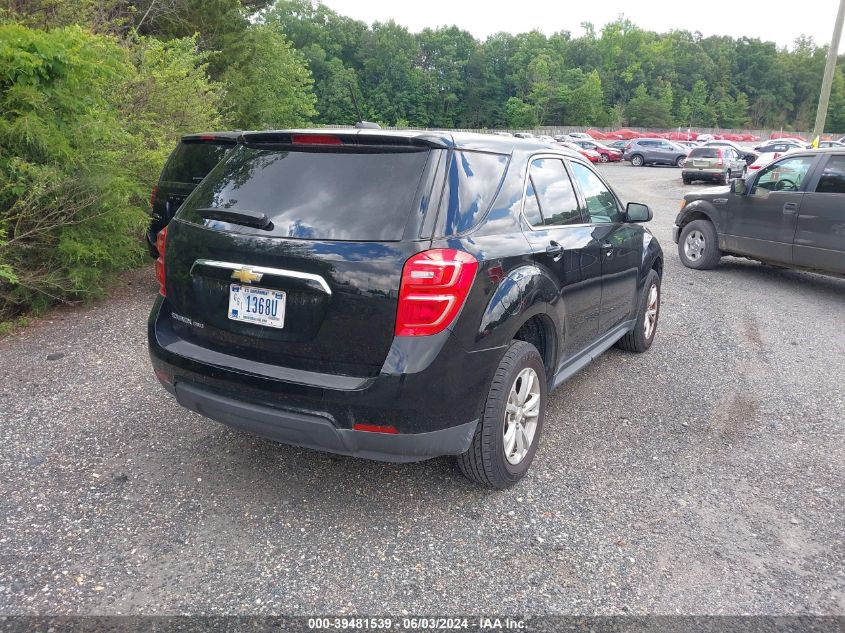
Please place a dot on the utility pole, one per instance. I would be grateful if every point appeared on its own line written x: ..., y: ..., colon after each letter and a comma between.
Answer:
x: 827, y: 81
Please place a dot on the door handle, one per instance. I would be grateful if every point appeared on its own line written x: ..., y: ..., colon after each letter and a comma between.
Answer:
x: 790, y: 207
x: 555, y: 250
x: 608, y: 248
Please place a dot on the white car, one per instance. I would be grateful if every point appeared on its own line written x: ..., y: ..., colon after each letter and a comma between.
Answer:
x: 581, y: 136
x: 770, y: 152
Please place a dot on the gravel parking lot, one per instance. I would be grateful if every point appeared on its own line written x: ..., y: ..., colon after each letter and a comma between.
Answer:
x: 704, y: 477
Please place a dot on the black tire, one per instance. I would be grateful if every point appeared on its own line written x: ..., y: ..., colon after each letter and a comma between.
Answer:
x: 603, y: 158
x: 680, y: 160
x: 638, y: 340
x: 485, y: 462
x: 637, y: 160
x: 686, y: 180
x: 709, y: 255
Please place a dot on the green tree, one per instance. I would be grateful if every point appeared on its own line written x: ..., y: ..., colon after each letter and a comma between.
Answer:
x: 835, y: 121
x: 267, y: 82
x: 647, y: 111
x: 519, y: 114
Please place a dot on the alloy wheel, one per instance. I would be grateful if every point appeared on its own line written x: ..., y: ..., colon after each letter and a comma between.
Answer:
x: 521, y: 414
x: 651, y: 311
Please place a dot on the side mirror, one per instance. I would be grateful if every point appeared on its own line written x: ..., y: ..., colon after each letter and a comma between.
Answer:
x: 738, y: 186
x: 638, y: 212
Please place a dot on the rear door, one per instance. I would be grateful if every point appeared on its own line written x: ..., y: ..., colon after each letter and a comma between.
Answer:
x: 820, y: 231
x: 762, y: 223
x: 620, y: 243
x: 342, y: 216
x: 564, y: 246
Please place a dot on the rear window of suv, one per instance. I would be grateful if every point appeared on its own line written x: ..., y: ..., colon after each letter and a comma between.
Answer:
x: 190, y: 162
x: 344, y: 195
x: 705, y: 152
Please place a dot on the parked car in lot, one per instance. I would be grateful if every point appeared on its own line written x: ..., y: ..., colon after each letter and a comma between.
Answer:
x: 579, y: 136
x: 620, y: 145
x: 194, y: 156
x: 524, y: 135
x: 749, y: 156
x: 654, y: 151
x: 790, y: 213
x: 828, y: 144
x: 591, y: 155
x: 771, y: 152
x: 606, y: 154
x: 398, y: 295
x: 793, y: 143
x: 713, y: 163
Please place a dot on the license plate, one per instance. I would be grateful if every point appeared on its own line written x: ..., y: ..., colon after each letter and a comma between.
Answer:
x: 261, y: 306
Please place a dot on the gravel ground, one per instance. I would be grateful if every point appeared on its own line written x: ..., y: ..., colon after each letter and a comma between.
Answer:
x: 704, y: 477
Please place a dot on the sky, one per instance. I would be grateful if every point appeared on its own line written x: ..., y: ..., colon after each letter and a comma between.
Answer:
x: 770, y: 20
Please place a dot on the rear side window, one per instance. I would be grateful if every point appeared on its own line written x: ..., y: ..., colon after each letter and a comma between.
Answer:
x: 472, y: 181
x: 550, y: 197
x: 191, y: 162
x: 833, y: 177
x: 705, y: 152
x: 344, y: 195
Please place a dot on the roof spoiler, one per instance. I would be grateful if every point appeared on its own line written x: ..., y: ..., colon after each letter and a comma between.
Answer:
x: 350, y: 138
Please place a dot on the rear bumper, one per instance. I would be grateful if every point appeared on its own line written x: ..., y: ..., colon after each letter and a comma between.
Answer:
x: 432, y: 391
x: 703, y: 174
x: 316, y: 432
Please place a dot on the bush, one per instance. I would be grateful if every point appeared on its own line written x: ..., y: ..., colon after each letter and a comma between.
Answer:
x: 85, y: 124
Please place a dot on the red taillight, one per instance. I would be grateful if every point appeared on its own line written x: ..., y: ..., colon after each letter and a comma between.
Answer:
x: 315, y: 139
x: 153, y: 194
x: 375, y: 428
x: 721, y: 157
x: 161, y: 245
x: 434, y: 286
x: 754, y: 167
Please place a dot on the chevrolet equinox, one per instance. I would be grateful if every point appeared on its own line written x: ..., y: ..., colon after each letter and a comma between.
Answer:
x: 398, y: 295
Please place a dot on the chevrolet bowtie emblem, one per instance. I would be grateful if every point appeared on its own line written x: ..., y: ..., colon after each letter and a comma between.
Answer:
x: 246, y: 275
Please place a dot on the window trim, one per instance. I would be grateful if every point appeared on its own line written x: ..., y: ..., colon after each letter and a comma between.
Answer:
x: 576, y: 190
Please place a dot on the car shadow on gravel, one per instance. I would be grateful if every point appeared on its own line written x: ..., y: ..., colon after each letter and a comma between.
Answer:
x: 278, y: 473
x: 823, y: 286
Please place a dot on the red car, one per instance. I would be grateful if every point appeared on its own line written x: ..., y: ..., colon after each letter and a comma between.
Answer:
x: 606, y: 153
x: 591, y: 155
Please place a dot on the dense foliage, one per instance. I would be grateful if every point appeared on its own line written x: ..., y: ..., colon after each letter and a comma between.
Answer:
x: 88, y: 115
x: 622, y: 74
x: 94, y: 94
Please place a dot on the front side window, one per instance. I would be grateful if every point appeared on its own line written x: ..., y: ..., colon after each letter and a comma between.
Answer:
x: 601, y: 203
x: 550, y: 197
x: 833, y: 177
x: 784, y: 175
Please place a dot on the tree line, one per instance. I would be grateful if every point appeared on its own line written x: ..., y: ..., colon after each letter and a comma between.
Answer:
x: 620, y: 74
x: 94, y: 94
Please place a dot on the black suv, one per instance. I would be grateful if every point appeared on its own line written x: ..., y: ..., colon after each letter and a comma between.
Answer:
x: 790, y: 213
x: 194, y: 156
x: 398, y: 296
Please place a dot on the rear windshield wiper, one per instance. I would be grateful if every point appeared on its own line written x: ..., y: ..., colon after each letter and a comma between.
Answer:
x: 254, y: 219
